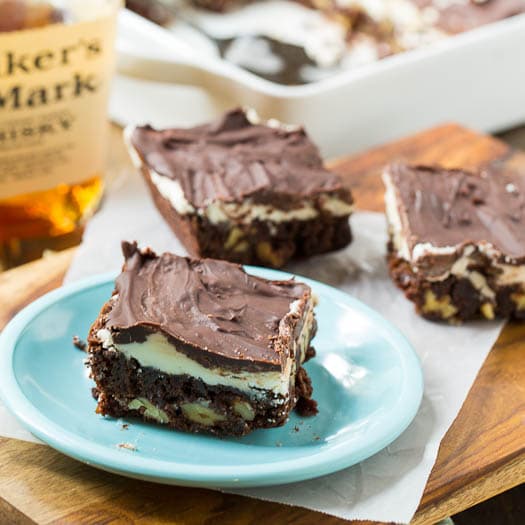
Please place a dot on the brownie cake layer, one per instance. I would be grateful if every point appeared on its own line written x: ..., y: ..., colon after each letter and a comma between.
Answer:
x: 200, y: 345
x: 244, y: 191
x: 257, y: 242
x: 456, y: 298
x: 457, y: 240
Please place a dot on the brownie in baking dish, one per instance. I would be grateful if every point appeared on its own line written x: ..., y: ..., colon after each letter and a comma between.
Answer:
x: 244, y: 191
x: 201, y: 346
x: 457, y: 240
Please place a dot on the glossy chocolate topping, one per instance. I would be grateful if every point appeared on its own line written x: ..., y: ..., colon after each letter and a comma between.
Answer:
x: 453, y: 207
x: 232, y: 159
x: 209, y: 304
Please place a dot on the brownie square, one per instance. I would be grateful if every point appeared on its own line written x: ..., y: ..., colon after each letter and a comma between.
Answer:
x: 457, y: 240
x: 243, y: 191
x: 201, y: 346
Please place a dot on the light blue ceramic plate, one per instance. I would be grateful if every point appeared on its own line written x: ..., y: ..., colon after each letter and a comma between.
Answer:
x: 367, y: 381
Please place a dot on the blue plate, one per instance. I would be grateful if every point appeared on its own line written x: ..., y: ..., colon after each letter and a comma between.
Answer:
x: 366, y: 377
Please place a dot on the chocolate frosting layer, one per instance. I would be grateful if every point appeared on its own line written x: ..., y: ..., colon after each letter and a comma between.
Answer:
x: 209, y: 304
x: 232, y: 159
x: 455, y: 207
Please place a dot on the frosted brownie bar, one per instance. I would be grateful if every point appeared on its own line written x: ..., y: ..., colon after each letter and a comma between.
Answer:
x: 244, y: 191
x: 200, y: 345
x: 457, y: 240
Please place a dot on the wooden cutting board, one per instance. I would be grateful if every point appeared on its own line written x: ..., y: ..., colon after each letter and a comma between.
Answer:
x: 483, y: 453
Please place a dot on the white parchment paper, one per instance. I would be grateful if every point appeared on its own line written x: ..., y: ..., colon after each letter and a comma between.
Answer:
x: 389, y: 485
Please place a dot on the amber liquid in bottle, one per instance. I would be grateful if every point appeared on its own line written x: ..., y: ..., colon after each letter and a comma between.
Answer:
x: 46, y: 220
x: 52, y: 219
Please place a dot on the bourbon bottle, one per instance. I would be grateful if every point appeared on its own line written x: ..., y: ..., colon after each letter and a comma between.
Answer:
x: 56, y: 65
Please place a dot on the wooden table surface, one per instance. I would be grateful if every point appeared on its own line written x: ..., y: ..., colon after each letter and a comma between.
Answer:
x: 482, y: 454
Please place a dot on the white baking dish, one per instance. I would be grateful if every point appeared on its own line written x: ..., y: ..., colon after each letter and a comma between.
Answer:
x: 476, y: 78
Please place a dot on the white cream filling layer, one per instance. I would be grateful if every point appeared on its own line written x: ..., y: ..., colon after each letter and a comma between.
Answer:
x: 394, y: 219
x: 157, y: 352
x: 172, y: 190
x: 245, y: 212
x: 508, y: 274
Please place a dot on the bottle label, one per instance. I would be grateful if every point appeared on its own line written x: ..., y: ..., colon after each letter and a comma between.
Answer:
x: 54, y: 87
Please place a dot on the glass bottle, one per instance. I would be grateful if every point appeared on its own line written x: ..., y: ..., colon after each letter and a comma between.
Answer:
x: 56, y: 63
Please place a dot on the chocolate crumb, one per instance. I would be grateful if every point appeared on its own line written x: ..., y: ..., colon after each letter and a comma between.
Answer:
x: 79, y: 343
x: 306, y: 407
x: 478, y: 200
x: 127, y: 446
x: 309, y: 353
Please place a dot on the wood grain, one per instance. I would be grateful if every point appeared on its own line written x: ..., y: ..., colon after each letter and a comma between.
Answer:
x: 449, y: 145
x: 22, y: 285
x: 482, y: 455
